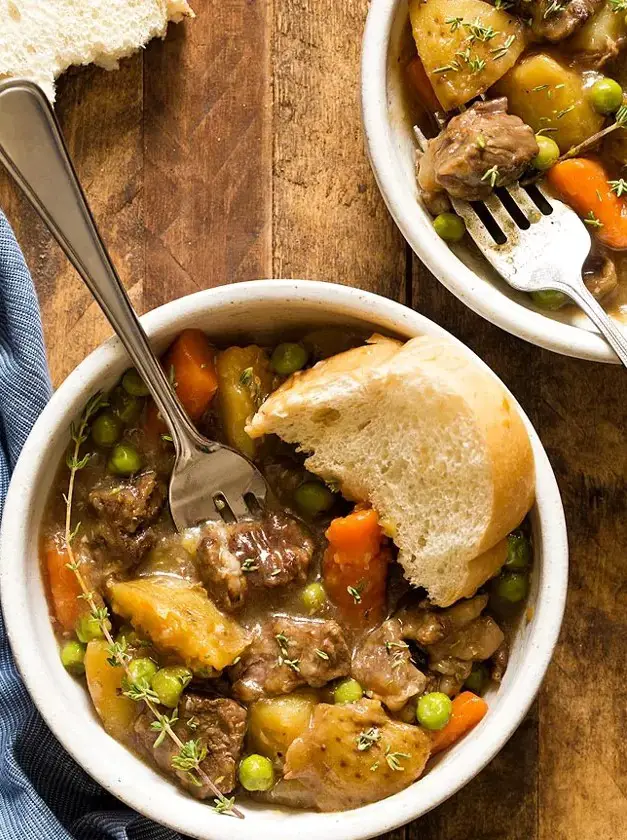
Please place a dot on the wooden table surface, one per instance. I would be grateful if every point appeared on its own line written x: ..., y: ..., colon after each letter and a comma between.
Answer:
x: 233, y: 150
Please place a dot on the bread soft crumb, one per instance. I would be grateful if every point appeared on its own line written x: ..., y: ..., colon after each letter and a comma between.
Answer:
x: 40, y: 40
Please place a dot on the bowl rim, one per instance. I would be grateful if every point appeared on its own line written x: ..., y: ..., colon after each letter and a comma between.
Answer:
x: 479, y: 747
x: 487, y: 300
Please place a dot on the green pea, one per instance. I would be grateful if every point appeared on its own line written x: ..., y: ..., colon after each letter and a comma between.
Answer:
x: 129, y: 635
x: 89, y: 628
x: 518, y: 551
x: 548, y: 153
x: 449, y: 227
x: 477, y: 679
x: 133, y: 384
x: 106, y: 429
x: 433, y: 710
x: 73, y: 658
x: 511, y: 587
x: 168, y: 684
x: 141, y: 671
x: 314, y: 597
x: 606, y: 96
x: 287, y: 358
x: 256, y: 772
x: 313, y: 498
x: 549, y: 299
x: 125, y: 406
x: 124, y: 460
x: 347, y: 691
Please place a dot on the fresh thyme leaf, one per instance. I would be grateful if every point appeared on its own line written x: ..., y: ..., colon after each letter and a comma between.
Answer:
x: 162, y: 725
x: 479, y: 32
x: 553, y: 8
x: 138, y: 691
x: 499, y: 52
x: 118, y: 654
x: 223, y: 805
x: 321, y: 653
x: 394, y: 759
x: 246, y: 376
x: 167, y: 438
x: 354, y: 593
x: 564, y: 111
x: 367, y: 738
x: 618, y: 187
x: 401, y: 645
x: 491, y: 175
x: 445, y: 68
x: 374, y: 767
x: 592, y: 220
x: 454, y: 23
x: 192, y: 722
x: 249, y: 565
x: 481, y: 141
x: 618, y: 5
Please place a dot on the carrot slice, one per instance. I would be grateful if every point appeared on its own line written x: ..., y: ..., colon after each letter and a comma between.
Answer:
x: 583, y: 184
x: 190, y: 364
x: 355, y: 566
x: 64, y: 588
x: 423, y: 87
x: 468, y: 710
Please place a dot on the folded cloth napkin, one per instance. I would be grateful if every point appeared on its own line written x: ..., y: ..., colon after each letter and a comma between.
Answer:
x: 44, y: 794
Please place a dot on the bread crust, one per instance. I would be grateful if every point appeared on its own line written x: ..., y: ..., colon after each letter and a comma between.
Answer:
x: 507, y: 456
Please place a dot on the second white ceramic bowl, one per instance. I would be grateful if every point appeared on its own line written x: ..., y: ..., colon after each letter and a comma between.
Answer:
x: 262, y: 310
x: 391, y: 146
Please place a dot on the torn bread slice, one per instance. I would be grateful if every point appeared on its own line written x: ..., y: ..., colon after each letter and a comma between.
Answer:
x: 427, y: 437
x: 40, y: 39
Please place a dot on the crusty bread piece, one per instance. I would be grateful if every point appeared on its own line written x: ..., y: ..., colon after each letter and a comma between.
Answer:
x: 39, y: 39
x: 427, y: 437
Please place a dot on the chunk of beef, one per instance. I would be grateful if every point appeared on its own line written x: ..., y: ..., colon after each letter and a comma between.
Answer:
x: 353, y: 754
x: 554, y: 21
x: 499, y: 662
x: 599, y: 275
x: 452, y: 639
x: 270, y: 552
x: 288, y: 653
x: 125, y: 511
x: 218, y: 723
x: 382, y: 663
x: 477, y: 150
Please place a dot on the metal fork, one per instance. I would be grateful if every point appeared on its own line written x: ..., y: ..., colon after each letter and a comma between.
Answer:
x: 536, y: 243
x: 209, y: 480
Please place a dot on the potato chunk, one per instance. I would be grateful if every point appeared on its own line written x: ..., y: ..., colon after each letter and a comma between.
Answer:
x: 274, y: 723
x: 354, y: 754
x: 180, y: 619
x: 244, y: 381
x: 465, y: 46
x: 104, y: 682
x: 547, y: 95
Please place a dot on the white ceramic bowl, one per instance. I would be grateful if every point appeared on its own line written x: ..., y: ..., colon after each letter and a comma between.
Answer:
x: 251, y: 310
x: 391, y: 146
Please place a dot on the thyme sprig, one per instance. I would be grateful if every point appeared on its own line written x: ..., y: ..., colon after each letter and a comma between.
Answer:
x: 620, y: 121
x: 190, y: 753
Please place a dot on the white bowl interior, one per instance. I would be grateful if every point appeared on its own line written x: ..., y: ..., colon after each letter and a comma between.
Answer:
x: 260, y: 311
x: 387, y: 116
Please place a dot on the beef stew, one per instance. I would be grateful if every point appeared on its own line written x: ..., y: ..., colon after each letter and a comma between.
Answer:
x: 251, y: 657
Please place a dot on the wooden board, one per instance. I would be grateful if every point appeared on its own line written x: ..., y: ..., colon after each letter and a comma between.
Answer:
x: 233, y: 150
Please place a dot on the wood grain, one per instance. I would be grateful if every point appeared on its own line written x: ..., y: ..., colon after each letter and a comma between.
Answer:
x: 329, y: 222
x: 233, y: 150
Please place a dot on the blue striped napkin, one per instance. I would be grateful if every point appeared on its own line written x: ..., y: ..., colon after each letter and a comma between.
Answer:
x: 44, y: 794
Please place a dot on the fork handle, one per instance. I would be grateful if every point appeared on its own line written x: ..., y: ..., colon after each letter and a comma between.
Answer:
x: 34, y: 152
x: 606, y: 325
